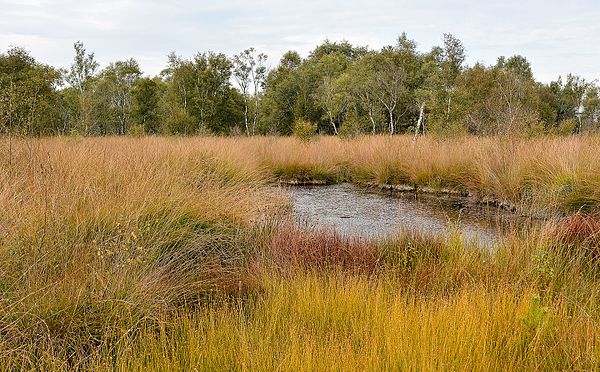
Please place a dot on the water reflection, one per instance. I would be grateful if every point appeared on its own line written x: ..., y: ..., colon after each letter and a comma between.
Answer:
x: 353, y: 210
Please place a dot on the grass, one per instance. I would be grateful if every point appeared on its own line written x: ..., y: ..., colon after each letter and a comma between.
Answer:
x: 353, y: 323
x: 171, y: 254
x: 545, y: 175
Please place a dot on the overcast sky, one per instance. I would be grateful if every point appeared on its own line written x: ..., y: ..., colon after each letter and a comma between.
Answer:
x: 557, y: 37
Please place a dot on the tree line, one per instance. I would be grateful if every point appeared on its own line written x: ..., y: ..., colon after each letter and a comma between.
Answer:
x: 339, y: 88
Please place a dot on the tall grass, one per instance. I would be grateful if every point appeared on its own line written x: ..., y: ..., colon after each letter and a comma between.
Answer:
x: 100, y: 235
x: 352, y: 323
x: 545, y: 175
x: 169, y: 253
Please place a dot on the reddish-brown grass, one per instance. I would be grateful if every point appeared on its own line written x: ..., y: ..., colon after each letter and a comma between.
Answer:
x: 581, y: 231
x: 321, y: 249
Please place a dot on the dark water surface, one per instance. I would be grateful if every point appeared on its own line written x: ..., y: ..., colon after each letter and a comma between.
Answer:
x: 352, y: 210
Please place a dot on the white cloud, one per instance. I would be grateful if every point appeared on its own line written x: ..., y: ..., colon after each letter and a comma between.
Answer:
x: 558, y: 37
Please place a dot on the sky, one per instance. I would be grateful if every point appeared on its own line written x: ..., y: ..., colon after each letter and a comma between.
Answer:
x: 557, y: 37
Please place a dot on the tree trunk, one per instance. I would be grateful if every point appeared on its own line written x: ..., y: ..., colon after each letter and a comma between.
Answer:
x: 420, y: 121
x: 255, y: 119
x: 123, y: 119
x: 391, y: 122
x: 335, y: 130
x: 246, y: 119
x: 448, y: 108
x: 372, y: 120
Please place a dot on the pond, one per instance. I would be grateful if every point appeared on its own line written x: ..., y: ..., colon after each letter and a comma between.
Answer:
x: 368, y: 213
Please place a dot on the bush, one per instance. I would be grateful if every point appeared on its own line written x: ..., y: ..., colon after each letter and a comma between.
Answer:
x: 321, y: 249
x: 532, y: 126
x: 446, y: 128
x: 352, y: 126
x: 304, y: 130
x: 179, y: 121
x: 566, y: 127
x: 74, y: 132
x: 137, y: 130
x: 578, y: 233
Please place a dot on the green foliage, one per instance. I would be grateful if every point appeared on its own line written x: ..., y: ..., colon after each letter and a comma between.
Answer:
x: 29, y: 103
x: 386, y: 90
x: 118, y: 80
x: 534, y: 321
x: 145, y: 105
x: 199, y: 94
x: 250, y: 73
x: 566, y: 127
x: 352, y: 126
x: 137, y: 130
x: 591, y: 112
x: 569, y: 96
x: 543, y: 268
x: 517, y: 64
x: 535, y: 315
x: 450, y: 129
x: 491, y: 101
x: 179, y: 121
x: 81, y: 78
x: 304, y: 130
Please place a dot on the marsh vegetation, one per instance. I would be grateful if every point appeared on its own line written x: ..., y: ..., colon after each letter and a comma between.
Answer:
x: 161, y: 253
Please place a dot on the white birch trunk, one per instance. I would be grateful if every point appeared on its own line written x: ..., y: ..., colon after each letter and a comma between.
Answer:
x: 420, y: 121
x: 372, y: 121
x: 335, y: 130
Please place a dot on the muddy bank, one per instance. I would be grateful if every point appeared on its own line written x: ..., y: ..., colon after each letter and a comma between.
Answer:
x: 297, y: 182
x: 469, y: 196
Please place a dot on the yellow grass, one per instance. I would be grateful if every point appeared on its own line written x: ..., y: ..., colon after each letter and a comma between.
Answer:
x: 356, y: 324
x: 151, y: 254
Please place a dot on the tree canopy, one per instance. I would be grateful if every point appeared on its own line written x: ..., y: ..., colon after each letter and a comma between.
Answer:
x: 339, y: 87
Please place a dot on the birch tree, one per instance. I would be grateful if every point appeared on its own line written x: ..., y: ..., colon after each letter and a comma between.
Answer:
x: 331, y: 100
x: 80, y: 77
x: 451, y: 67
x: 361, y: 91
x: 249, y: 71
x: 120, y: 78
x: 389, y: 86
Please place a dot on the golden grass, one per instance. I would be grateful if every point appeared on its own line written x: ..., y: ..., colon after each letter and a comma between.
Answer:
x: 345, y: 323
x: 545, y: 175
x: 98, y: 235
x: 167, y: 253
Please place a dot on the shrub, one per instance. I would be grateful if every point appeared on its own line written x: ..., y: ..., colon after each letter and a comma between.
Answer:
x: 322, y: 249
x: 137, y: 130
x: 352, y: 126
x: 579, y: 233
x: 304, y: 130
x: 179, y: 121
x: 566, y: 127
